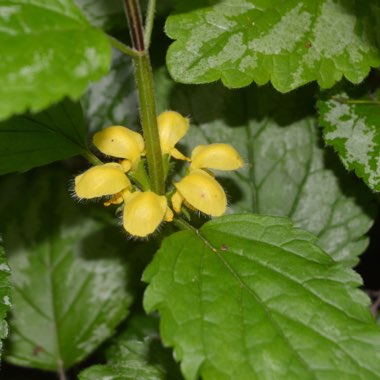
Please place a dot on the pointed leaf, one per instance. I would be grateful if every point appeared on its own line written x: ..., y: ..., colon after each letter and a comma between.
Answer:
x: 49, y: 50
x: 5, y: 293
x: 289, y: 43
x: 288, y: 172
x: 352, y: 129
x: 33, y: 140
x: 71, y: 273
x: 254, y: 298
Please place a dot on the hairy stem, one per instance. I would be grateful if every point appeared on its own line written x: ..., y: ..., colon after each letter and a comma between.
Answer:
x: 149, y: 22
x: 91, y: 158
x: 144, y: 81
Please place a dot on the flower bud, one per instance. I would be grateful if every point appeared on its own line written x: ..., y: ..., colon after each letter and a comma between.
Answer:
x: 121, y: 142
x: 107, y: 179
x: 143, y: 212
x: 202, y: 192
x: 216, y: 156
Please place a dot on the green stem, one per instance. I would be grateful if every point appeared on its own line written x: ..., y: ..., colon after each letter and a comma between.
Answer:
x: 123, y: 48
x: 144, y: 81
x: 91, y: 158
x: 149, y: 22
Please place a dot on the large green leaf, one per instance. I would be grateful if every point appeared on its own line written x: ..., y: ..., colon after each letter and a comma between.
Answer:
x: 72, y: 273
x: 287, y: 172
x: 137, y: 353
x: 49, y: 50
x: 113, y: 99
x: 5, y: 293
x: 33, y: 140
x: 352, y: 129
x: 253, y: 298
x: 289, y: 42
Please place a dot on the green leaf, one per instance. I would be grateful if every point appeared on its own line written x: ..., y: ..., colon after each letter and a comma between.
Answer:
x: 33, y: 140
x: 105, y: 14
x: 255, y: 298
x: 72, y: 273
x: 289, y: 43
x: 352, y: 129
x: 5, y: 293
x: 137, y: 353
x: 287, y: 171
x: 113, y: 99
x: 49, y: 51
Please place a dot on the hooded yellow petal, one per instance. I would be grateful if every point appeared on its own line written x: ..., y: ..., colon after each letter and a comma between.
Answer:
x: 172, y: 126
x: 143, y: 212
x: 203, y: 192
x: 107, y: 179
x: 216, y: 156
x: 121, y: 142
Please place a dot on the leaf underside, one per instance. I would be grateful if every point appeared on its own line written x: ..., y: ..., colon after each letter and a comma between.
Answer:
x: 254, y: 298
x: 352, y: 129
x: 49, y: 51
x: 289, y: 43
x: 33, y: 140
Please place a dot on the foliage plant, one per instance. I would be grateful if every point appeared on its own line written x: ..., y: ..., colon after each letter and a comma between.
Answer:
x: 236, y: 147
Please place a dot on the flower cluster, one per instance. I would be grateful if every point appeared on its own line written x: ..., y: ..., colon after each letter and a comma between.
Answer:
x: 123, y: 182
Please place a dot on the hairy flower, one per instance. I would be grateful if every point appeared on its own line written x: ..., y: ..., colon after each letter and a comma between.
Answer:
x: 172, y: 127
x: 216, y: 156
x: 144, y: 212
x: 101, y: 180
x: 201, y: 191
x: 121, y: 142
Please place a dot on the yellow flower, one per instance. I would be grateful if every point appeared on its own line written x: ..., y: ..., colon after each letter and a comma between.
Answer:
x: 121, y: 142
x: 216, y: 156
x: 101, y: 180
x: 201, y: 191
x: 144, y: 212
x: 172, y: 126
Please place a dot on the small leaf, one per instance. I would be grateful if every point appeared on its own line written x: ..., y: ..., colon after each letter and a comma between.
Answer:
x: 288, y: 172
x: 112, y: 100
x: 5, y: 292
x: 289, y: 43
x: 72, y: 273
x: 252, y: 297
x: 351, y: 127
x: 137, y: 353
x: 33, y: 140
x: 49, y: 51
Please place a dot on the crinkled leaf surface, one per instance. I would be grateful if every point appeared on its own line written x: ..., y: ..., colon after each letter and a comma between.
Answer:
x: 48, y: 51
x: 289, y: 43
x: 352, y: 129
x: 33, y: 140
x: 255, y: 298
x: 112, y: 100
x: 287, y: 171
x: 71, y: 273
x: 137, y: 353
x: 5, y: 293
